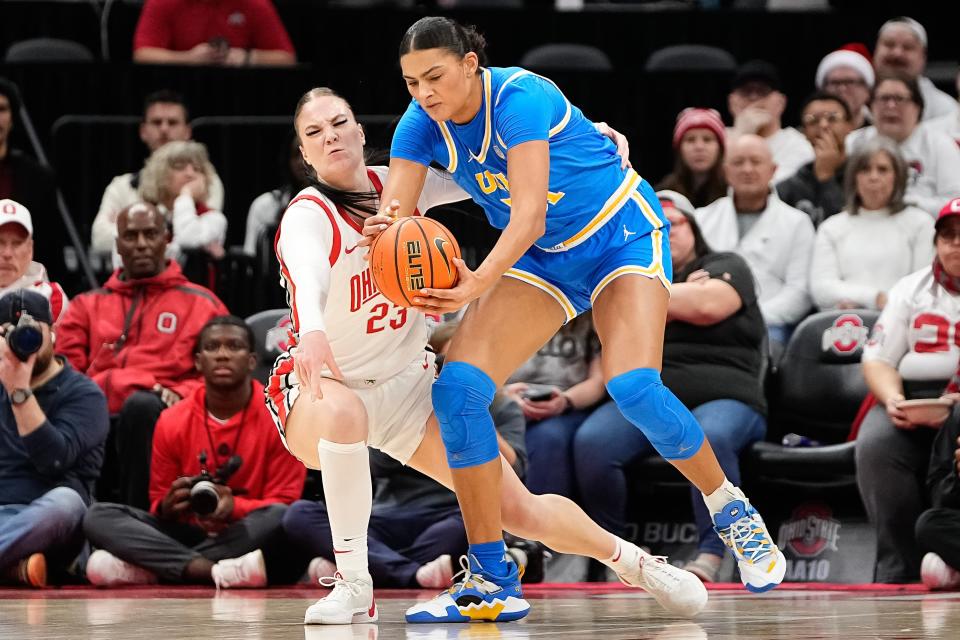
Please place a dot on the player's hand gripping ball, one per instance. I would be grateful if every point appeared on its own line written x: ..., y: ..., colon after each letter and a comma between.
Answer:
x: 412, y: 254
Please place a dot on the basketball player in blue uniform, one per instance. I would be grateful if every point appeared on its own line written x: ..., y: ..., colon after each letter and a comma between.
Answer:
x: 579, y: 231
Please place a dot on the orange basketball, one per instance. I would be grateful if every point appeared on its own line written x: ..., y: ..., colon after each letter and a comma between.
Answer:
x: 412, y: 254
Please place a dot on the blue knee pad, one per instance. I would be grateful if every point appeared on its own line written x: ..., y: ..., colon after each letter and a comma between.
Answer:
x: 461, y: 399
x: 651, y: 407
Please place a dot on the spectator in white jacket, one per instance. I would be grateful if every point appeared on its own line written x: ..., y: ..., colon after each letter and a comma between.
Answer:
x: 775, y: 239
x: 933, y: 158
x: 861, y: 252
x: 902, y: 48
x: 265, y: 210
x: 176, y: 179
x: 165, y: 119
x: 757, y: 104
x: 950, y: 123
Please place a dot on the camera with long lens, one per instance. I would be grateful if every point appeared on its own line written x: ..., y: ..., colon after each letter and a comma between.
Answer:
x: 204, y: 498
x: 25, y: 338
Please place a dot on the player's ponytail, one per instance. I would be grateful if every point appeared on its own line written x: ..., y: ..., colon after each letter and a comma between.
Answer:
x: 444, y: 33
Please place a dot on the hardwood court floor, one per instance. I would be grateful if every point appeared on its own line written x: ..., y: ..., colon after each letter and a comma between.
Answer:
x: 597, y: 613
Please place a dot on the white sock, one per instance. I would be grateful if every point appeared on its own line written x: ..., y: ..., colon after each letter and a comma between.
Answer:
x: 724, y: 494
x: 348, y: 493
x: 625, y: 557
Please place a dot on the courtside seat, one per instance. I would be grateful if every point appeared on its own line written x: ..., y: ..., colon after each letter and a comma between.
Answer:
x: 47, y: 50
x: 690, y: 58
x: 566, y: 56
x: 270, y: 337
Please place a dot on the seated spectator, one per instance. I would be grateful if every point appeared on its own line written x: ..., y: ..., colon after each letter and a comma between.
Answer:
x: 17, y: 268
x: 863, y: 251
x: 775, y: 239
x: 757, y: 106
x: 221, y: 427
x: 176, y: 179
x: 911, y: 354
x: 264, y: 214
x: 214, y: 32
x: 902, y: 49
x: 712, y: 360
x: 53, y: 425
x: 817, y: 187
x: 933, y: 158
x: 698, y: 139
x: 33, y: 185
x: 847, y: 73
x: 556, y: 389
x: 949, y: 123
x: 135, y: 338
x: 416, y: 527
x: 165, y: 119
x: 938, y: 529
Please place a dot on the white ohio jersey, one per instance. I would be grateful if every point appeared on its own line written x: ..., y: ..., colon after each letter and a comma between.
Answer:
x: 918, y: 332
x: 329, y: 286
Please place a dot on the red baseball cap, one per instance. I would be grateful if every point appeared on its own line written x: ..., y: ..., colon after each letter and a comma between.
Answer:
x: 952, y: 208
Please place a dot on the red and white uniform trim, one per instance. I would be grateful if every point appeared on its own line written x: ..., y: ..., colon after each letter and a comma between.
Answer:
x: 329, y: 288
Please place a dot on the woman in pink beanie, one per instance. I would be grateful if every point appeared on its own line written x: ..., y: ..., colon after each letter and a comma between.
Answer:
x: 698, y: 140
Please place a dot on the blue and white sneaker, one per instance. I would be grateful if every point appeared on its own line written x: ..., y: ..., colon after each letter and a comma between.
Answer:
x: 762, y: 565
x: 476, y: 597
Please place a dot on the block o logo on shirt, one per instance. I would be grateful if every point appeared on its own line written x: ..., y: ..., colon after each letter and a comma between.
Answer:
x: 166, y: 322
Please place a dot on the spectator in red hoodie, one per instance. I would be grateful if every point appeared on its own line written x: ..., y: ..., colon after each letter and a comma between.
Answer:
x: 221, y: 425
x: 135, y: 337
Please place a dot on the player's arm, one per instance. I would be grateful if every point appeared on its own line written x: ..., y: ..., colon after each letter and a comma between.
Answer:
x: 528, y: 172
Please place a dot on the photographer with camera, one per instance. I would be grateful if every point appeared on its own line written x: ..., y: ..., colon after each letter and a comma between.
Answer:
x: 220, y: 481
x: 53, y: 424
x: 135, y: 337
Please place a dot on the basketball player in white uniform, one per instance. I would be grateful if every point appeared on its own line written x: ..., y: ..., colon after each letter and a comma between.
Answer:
x: 359, y: 375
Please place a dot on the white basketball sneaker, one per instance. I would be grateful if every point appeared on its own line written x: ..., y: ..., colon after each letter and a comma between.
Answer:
x: 107, y: 570
x: 761, y: 563
x: 350, y: 601
x: 247, y: 571
x: 678, y: 591
x: 436, y: 574
x: 937, y: 574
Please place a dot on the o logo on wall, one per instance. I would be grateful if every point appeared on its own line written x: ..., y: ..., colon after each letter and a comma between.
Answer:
x: 166, y: 322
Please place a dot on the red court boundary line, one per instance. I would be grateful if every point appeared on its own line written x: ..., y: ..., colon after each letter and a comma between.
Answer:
x: 548, y: 590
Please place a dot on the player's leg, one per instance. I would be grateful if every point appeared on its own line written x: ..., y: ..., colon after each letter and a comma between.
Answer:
x: 330, y: 434
x: 563, y: 526
x: 630, y: 314
x: 498, y: 333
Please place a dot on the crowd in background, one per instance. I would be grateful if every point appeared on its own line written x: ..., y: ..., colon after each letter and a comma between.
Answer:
x: 142, y: 390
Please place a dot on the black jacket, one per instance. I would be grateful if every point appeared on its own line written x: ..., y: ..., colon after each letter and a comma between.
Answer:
x: 942, y: 478
x: 804, y: 191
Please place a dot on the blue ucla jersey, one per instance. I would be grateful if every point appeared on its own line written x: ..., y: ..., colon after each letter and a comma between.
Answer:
x: 587, y: 187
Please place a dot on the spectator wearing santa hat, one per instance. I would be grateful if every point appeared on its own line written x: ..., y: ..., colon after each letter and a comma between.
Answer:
x: 698, y: 140
x: 848, y: 74
x: 902, y: 48
x: 17, y: 267
x: 817, y: 187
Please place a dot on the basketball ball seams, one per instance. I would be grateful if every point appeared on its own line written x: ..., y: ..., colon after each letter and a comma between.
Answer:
x: 396, y: 256
x: 428, y: 252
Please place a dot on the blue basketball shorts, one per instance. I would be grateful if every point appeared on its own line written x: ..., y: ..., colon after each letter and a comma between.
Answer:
x: 636, y: 240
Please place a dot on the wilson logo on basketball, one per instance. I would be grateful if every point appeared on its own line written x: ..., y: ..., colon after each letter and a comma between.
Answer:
x: 846, y: 335
x: 810, y: 531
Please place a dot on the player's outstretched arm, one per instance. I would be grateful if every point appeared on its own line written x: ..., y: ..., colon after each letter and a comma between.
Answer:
x: 399, y: 198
